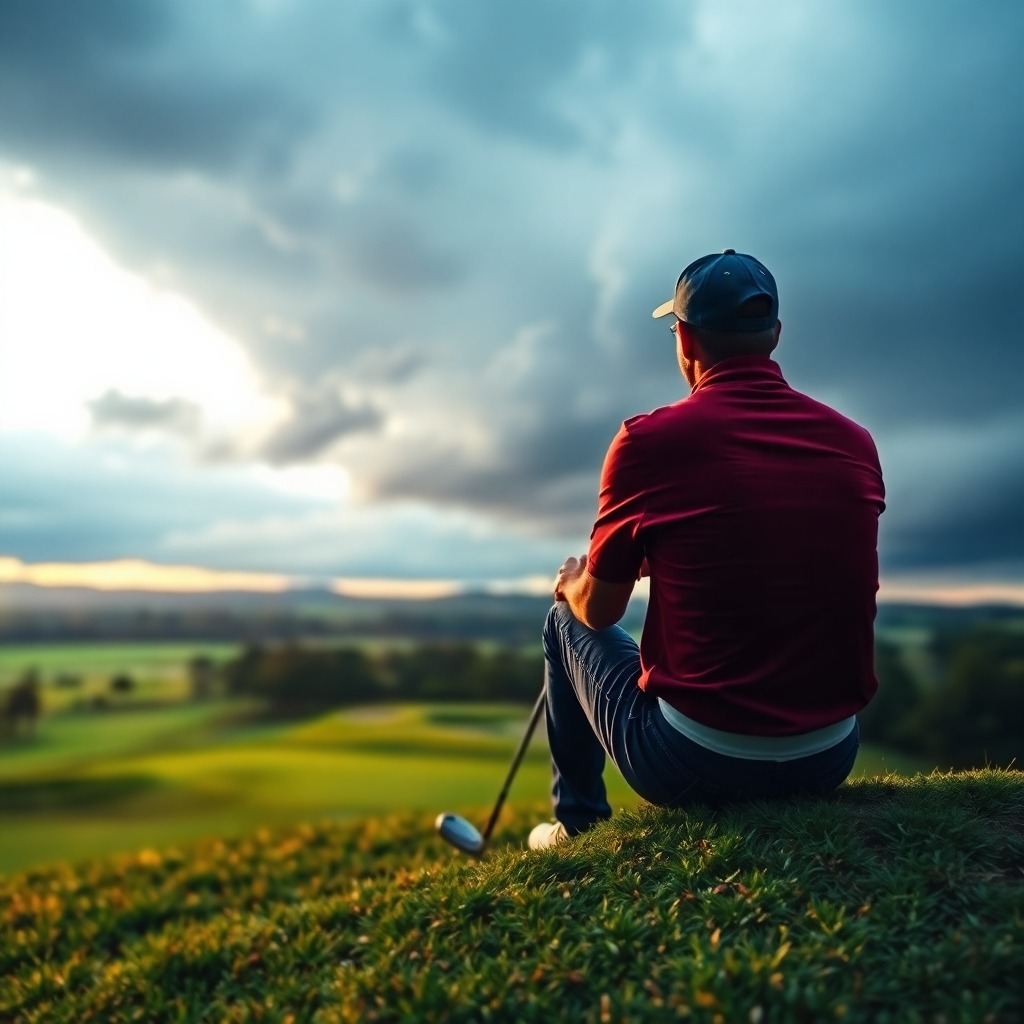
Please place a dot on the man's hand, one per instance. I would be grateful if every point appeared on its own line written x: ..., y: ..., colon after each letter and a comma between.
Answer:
x: 595, y: 603
x: 570, y: 571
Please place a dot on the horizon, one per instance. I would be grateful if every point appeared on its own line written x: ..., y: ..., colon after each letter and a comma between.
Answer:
x: 137, y: 576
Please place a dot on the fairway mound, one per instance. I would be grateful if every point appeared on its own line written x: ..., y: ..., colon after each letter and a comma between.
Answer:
x: 897, y: 900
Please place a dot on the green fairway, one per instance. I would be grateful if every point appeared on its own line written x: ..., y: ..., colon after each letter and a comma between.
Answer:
x: 61, y: 743
x: 93, y: 784
x: 142, y: 656
x: 89, y: 784
x: 74, y: 675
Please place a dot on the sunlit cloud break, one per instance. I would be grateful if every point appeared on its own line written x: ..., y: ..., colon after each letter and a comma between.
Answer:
x: 135, y: 574
x: 948, y: 593
x: 139, y: 575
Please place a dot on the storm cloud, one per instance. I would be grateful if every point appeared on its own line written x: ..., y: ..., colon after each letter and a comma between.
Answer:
x: 115, y: 410
x: 318, y: 418
x: 466, y: 211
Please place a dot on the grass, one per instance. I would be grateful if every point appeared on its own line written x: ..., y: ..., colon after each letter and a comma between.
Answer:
x: 95, y: 784
x: 62, y: 743
x: 897, y: 900
x: 143, y: 656
x: 158, y: 670
x: 92, y: 784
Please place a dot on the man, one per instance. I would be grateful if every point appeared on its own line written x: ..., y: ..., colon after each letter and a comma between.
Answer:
x: 754, y: 510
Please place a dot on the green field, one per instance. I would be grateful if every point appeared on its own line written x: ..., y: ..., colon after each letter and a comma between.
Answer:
x: 100, y: 783
x: 154, y: 769
x: 93, y: 783
x: 287, y: 871
x: 106, y: 658
x: 159, y: 670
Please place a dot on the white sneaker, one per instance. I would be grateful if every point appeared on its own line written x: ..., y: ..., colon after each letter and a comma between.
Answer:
x: 546, y: 834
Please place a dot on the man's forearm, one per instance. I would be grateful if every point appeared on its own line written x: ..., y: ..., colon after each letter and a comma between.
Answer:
x: 575, y: 592
x: 593, y: 602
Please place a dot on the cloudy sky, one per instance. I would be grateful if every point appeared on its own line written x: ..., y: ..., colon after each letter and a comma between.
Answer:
x: 360, y: 290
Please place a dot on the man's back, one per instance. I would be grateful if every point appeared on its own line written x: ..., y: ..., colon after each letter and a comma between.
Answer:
x: 755, y: 512
x: 756, y: 509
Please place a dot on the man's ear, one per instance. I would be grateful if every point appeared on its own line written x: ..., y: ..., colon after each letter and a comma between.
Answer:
x: 778, y: 334
x: 687, y: 341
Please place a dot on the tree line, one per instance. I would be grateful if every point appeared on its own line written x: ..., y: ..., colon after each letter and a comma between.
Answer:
x: 971, y: 716
x: 504, y: 621
x: 293, y: 678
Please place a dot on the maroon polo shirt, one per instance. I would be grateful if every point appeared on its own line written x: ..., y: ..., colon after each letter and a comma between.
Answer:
x: 756, y: 509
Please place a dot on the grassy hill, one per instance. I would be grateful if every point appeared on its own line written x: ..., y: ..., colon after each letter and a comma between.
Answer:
x: 897, y: 900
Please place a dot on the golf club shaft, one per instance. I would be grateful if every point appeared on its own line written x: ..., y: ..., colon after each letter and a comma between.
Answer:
x: 538, y: 709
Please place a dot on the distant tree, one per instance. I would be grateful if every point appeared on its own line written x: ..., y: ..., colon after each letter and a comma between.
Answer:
x: 437, y: 671
x: 297, y: 680
x: 889, y: 718
x: 976, y: 716
x: 23, y: 703
x: 68, y: 681
x: 512, y: 675
x: 242, y: 674
x: 357, y: 679
x: 122, y: 683
x: 202, y: 674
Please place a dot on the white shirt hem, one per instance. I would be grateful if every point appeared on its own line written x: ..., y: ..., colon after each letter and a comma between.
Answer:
x: 758, y: 748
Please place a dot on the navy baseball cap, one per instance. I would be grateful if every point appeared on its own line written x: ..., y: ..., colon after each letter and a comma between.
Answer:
x: 711, y: 290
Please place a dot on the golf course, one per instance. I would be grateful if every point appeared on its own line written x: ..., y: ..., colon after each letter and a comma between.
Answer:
x: 88, y: 784
x: 167, y: 858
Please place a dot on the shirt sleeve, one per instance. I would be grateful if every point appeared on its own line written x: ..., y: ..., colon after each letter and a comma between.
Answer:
x: 616, y: 551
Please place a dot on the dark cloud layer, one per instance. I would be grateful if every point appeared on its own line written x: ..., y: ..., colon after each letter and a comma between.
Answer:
x: 541, y: 475
x: 468, y: 210
x: 506, y: 66
x: 967, y: 510
x: 319, y: 418
x: 115, y: 79
x: 391, y: 254
x: 175, y: 415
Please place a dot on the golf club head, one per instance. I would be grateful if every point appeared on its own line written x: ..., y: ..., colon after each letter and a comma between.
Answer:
x: 457, y: 831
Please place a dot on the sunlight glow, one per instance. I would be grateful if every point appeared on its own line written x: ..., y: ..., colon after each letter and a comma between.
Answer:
x: 384, y: 588
x: 135, y: 574
x: 958, y: 594
x: 75, y: 326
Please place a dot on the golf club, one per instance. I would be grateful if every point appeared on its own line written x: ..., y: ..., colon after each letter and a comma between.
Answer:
x: 460, y: 833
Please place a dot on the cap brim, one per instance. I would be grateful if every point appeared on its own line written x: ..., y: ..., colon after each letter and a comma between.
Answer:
x: 664, y: 309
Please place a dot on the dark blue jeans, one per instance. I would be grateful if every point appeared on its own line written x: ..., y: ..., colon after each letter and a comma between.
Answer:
x: 595, y: 709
